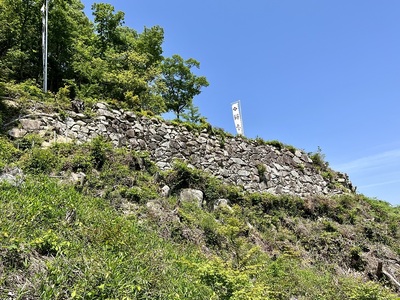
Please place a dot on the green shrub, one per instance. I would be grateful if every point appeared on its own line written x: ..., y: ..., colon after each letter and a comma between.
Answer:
x: 328, y: 175
x: 81, y: 162
x: 370, y: 291
x: 277, y: 144
x: 182, y: 176
x: 139, y: 194
x: 329, y: 226
x: 8, y: 152
x: 39, y: 161
x: 318, y: 159
x: 29, y: 141
x: 99, y: 149
x: 50, y: 244
x: 259, y: 141
x: 291, y: 148
x: 28, y: 89
x: 261, y: 168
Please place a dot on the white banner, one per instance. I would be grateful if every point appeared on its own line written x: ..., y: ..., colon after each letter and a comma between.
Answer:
x: 237, y: 117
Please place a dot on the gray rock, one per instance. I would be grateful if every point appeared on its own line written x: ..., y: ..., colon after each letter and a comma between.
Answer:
x: 191, y: 195
x: 30, y: 125
x: 298, y: 153
x: 297, y: 160
x: 17, y: 133
x: 165, y: 191
x: 13, y: 176
x: 77, y: 178
x: 219, y: 203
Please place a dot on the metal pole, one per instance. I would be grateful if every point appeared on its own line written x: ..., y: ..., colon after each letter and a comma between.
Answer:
x: 45, y: 19
x: 241, y: 117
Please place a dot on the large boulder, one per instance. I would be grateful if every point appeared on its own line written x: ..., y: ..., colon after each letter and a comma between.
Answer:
x: 191, y: 195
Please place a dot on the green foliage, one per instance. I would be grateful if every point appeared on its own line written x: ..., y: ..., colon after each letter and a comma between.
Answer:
x: 274, y: 143
x: 183, y: 176
x: 25, y: 90
x: 39, y: 161
x: 329, y: 226
x: 106, y: 24
x: 8, y: 152
x: 181, y: 85
x: 104, y: 60
x: 260, y: 247
x: 369, y: 291
x: 102, y: 255
x: 328, y: 175
x: 191, y: 114
x: 81, y: 163
x: 99, y: 149
x: 29, y: 141
x: 139, y: 194
x: 126, y: 241
x: 318, y: 159
x: 64, y: 94
x: 227, y: 283
x: 261, y: 169
x: 290, y: 148
x: 20, y: 39
x: 277, y: 144
x: 50, y: 244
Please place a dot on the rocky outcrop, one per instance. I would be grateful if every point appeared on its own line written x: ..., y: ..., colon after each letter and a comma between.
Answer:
x: 13, y: 176
x: 236, y: 160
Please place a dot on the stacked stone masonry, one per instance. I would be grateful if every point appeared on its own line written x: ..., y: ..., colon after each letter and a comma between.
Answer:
x: 258, y: 168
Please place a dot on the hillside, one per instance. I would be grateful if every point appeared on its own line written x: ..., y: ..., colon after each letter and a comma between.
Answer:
x: 89, y: 220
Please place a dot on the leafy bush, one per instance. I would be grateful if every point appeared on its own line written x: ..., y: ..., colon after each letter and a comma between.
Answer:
x: 50, y: 244
x: 8, y: 152
x: 183, y: 176
x: 318, y: 159
x: 81, y: 163
x: 277, y: 144
x: 99, y: 149
x: 29, y: 141
x: 24, y: 90
x: 370, y: 291
x: 39, y: 161
x: 139, y: 194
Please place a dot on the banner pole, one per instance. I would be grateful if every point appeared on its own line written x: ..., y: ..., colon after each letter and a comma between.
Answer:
x: 45, y: 20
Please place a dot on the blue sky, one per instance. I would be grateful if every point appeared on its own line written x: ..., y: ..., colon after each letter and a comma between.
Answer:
x: 309, y: 73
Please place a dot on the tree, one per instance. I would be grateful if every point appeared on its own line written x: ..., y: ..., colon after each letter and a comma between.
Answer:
x: 106, y: 24
x: 192, y: 114
x: 122, y: 64
x: 181, y: 85
x: 20, y: 39
x: 68, y: 26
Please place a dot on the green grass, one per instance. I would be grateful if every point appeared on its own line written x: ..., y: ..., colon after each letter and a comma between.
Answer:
x: 61, y: 240
x: 101, y: 255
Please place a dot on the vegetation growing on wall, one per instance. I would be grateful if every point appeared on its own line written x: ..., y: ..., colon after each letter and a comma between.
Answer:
x: 112, y: 235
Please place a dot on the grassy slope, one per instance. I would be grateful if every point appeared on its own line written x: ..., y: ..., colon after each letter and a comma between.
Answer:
x: 125, y: 241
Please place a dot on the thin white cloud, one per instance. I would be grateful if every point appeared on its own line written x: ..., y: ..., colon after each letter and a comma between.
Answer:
x: 366, y: 186
x: 376, y: 175
x: 388, y: 159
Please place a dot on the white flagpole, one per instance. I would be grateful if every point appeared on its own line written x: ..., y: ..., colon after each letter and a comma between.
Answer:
x: 241, y: 118
x: 45, y: 20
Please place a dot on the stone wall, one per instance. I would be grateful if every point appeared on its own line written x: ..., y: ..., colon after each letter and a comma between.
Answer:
x: 261, y: 168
